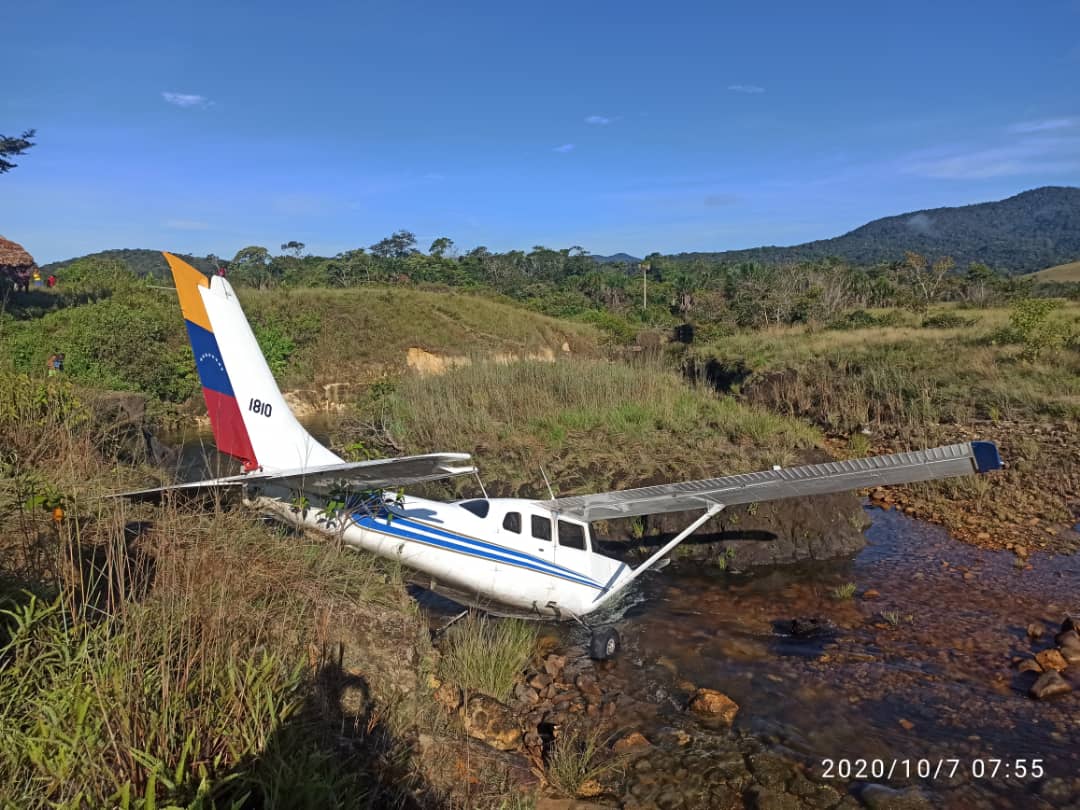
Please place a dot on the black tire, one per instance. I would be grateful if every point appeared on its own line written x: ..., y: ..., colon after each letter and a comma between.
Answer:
x: 604, y: 644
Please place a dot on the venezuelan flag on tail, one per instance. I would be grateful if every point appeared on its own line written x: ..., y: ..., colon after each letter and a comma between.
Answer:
x: 249, y: 416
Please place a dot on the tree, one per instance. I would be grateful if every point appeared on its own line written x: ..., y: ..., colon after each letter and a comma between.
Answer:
x: 396, y: 246
x: 10, y: 147
x: 922, y: 279
x: 441, y: 246
x: 252, y: 265
x: 294, y: 247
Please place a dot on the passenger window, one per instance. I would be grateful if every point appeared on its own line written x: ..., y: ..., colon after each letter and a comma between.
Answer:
x: 571, y: 535
x: 541, y: 528
x: 512, y: 522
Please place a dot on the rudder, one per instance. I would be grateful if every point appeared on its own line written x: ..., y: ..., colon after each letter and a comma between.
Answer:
x: 249, y: 416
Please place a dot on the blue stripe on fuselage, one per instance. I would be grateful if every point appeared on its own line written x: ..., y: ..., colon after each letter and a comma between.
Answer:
x: 483, y: 544
x: 468, y: 546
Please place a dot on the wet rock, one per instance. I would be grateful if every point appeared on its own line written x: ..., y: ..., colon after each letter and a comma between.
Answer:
x: 631, y: 741
x: 491, y: 722
x: 713, y: 704
x: 879, y: 797
x: 813, y: 794
x: 1035, y: 630
x: 1070, y: 647
x: 526, y: 694
x: 1057, y: 791
x: 554, y: 664
x: 1051, y: 659
x: 1049, y: 684
x: 588, y: 686
x: 812, y: 627
x: 771, y: 770
x: 768, y: 799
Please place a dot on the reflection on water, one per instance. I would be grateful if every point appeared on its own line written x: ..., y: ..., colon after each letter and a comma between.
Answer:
x: 923, y: 669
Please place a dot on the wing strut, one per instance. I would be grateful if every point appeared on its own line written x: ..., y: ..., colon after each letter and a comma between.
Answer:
x: 617, y: 587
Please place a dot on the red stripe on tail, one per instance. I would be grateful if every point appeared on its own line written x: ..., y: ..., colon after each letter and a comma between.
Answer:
x: 230, y: 435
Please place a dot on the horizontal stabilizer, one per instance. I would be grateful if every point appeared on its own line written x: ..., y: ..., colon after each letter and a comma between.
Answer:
x: 812, y: 479
x: 377, y: 474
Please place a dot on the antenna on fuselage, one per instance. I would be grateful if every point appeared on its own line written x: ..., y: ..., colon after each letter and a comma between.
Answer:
x: 551, y: 492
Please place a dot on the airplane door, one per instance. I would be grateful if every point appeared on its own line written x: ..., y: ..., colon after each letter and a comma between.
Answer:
x: 538, y: 537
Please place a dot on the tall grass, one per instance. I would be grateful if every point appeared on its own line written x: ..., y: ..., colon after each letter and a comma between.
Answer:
x: 183, y: 656
x: 590, y: 424
x: 487, y: 654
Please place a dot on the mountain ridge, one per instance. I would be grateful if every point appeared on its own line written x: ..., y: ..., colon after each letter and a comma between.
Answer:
x: 1023, y: 233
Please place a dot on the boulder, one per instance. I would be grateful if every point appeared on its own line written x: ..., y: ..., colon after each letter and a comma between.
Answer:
x: 1029, y: 665
x: 491, y: 722
x: 1070, y: 647
x: 1051, y: 659
x: 713, y: 704
x: 1049, y: 685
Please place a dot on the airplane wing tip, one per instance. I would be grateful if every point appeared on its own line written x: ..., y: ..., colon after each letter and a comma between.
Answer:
x: 986, y: 455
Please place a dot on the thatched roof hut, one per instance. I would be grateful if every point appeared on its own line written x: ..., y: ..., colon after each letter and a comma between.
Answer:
x: 15, y: 263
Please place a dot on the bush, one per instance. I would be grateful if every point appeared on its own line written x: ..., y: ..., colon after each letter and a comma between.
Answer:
x: 1031, y: 322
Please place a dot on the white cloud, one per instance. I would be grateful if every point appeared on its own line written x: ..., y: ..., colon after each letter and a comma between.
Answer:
x: 745, y: 88
x: 185, y: 99
x: 186, y: 225
x: 601, y: 120
x: 566, y: 147
x: 1045, y: 125
x: 1028, y: 156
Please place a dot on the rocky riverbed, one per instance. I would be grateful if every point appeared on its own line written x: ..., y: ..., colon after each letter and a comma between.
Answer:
x: 754, y: 691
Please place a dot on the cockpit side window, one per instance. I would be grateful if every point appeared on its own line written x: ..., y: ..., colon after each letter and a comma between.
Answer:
x: 512, y: 522
x: 541, y: 528
x: 478, y: 507
x: 571, y: 535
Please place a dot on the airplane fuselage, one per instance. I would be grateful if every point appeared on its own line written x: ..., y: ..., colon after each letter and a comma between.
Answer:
x: 494, y: 552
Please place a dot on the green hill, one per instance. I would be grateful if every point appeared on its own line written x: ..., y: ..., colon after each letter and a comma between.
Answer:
x: 1021, y: 234
x: 142, y: 262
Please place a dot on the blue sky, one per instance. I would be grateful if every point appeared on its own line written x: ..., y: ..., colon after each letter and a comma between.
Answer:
x: 616, y: 126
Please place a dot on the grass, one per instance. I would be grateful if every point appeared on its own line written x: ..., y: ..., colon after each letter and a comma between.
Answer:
x: 171, y: 656
x: 905, y: 377
x: 576, y: 758
x: 844, y: 592
x: 1063, y: 272
x: 486, y: 654
x: 589, y: 423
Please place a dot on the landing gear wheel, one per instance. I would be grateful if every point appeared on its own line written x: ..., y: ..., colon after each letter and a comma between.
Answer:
x: 604, y: 643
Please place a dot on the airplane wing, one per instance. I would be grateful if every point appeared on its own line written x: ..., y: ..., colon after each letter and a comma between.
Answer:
x: 378, y: 474
x: 812, y: 479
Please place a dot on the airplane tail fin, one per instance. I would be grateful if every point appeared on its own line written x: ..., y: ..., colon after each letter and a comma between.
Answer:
x: 249, y: 416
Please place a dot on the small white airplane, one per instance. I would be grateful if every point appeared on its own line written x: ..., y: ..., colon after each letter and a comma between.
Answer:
x: 508, y: 556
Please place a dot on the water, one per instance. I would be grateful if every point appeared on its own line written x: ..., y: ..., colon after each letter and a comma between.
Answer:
x: 937, y: 683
